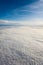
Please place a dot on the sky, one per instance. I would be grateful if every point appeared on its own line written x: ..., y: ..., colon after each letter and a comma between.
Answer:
x: 21, y: 10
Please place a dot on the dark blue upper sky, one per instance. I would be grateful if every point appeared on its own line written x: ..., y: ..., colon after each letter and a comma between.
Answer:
x: 18, y: 9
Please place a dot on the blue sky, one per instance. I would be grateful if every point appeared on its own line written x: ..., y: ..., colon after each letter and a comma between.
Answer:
x: 21, y: 9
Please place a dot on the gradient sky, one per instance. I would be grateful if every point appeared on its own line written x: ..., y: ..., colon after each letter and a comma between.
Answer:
x: 21, y: 9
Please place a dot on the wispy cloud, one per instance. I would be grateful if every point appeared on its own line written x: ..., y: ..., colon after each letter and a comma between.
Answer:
x: 33, y: 10
x: 33, y: 22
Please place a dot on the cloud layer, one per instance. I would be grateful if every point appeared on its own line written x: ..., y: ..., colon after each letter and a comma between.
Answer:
x: 22, y: 23
x: 21, y: 45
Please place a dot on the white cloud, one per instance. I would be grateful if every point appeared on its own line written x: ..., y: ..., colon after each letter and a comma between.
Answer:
x: 21, y: 45
x: 33, y: 22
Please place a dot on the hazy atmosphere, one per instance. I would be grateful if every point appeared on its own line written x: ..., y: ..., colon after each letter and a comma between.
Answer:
x: 21, y: 32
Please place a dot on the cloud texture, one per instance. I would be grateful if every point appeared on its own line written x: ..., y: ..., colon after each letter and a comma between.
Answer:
x: 21, y: 45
